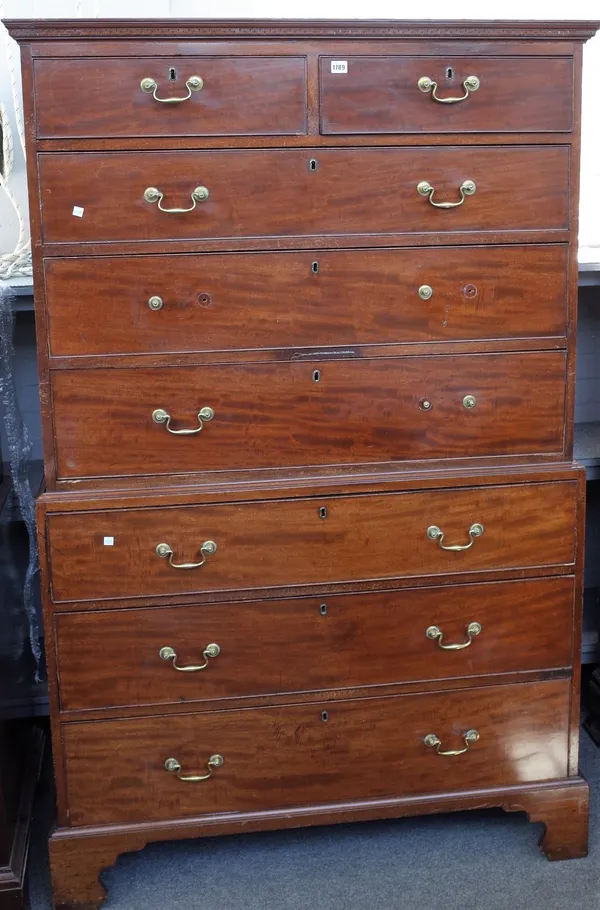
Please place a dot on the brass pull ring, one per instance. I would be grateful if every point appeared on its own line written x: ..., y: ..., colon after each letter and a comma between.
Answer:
x: 167, y: 653
x: 193, y: 84
x: 200, y: 194
x: 471, y: 84
x: 208, y: 548
x: 467, y: 188
x: 162, y: 416
x: 435, y: 533
x: 215, y: 761
x: 431, y: 740
x: 434, y: 633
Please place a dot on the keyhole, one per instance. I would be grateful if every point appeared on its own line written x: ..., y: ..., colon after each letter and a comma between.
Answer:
x: 324, y: 716
x: 323, y: 609
x: 172, y: 74
x: 315, y: 267
x: 323, y: 512
x: 316, y: 375
x: 312, y: 164
x: 450, y: 73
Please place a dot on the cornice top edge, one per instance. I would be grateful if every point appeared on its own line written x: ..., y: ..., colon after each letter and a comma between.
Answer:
x: 107, y: 29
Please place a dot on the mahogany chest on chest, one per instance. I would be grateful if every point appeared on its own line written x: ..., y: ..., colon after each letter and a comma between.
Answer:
x: 312, y: 536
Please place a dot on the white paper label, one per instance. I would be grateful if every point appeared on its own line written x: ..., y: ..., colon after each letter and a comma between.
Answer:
x: 339, y: 66
x: 109, y: 541
x: 78, y: 211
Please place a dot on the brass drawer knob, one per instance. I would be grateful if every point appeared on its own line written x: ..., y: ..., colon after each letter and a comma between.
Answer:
x: 208, y: 548
x: 435, y: 633
x: 435, y: 533
x: 425, y: 292
x: 467, y: 188
x: 469, y: 402
x: 215, y: 761
x: 161, y: 416
x: 471, y: 84
x: 152, y: 194
x: 470, y: 737
x: 150, y: 85
x: 168, y: 653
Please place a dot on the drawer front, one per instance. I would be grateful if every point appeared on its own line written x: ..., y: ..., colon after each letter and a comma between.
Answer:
x: 275, y: 193
x: 382, y: 95
x: 338, y: 297
x: 280, y: 415
x: 273, y: 647
x: 285, y: 543
x: 281, y: 757
x: 103, y: 97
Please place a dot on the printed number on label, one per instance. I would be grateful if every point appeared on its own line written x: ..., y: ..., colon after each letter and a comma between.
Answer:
x: 339, y: 66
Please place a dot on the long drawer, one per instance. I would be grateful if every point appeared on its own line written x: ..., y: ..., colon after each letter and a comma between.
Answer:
x: 269, y: 415
x: 161, y: 304
x: 134, y: 552
x: 175, y: 654
x: 327, y: 752
x: 393, y: 94
x: 92, y: 196
x: 226, y: 96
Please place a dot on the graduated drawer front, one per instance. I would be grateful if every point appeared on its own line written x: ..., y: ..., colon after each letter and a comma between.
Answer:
x: 303, y: 299
x: 275, y: 193
x: 275, y: 647
x: 269, y: 415
x: 282, y: 757
x: 103, y: 97
x: 291, y: 542
x: 382, y: 95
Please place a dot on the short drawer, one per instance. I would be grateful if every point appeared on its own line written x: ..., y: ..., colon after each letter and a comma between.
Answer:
x: 175, y: 654
x: 287, y: 543
x: 268, y: 193
x: 389, y: 94
x: 272, y: 758
x: 289, y: 414
x: 162, y: 304
x: 136, y: 96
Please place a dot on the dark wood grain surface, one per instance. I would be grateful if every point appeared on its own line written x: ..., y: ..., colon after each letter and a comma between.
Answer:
x: 273, y: 193
x: 380, y: 94
x: 250, y: 301
x: 302, y: 645
x: 294, y: 414
x: 239, y: 96
x: 276, y: 757
x: 287, y: 542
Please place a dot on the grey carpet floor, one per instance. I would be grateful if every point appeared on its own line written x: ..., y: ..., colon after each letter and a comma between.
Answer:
x: 462, y: 861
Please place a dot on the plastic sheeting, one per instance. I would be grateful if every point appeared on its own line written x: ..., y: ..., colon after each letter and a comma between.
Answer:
x: 19, y: 453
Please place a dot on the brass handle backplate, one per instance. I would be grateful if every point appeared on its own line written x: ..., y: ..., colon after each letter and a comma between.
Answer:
x: 435, y: 633
x: 208, y: 548
x: 435, y: 533
x: 168, y: 653
x: 470, y: 737
x: 467, y: 188
x: 471, y: 84
x: 150, y: 85
x: 204, y: 415
x: 152, y: 194
x: 215, y: 761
